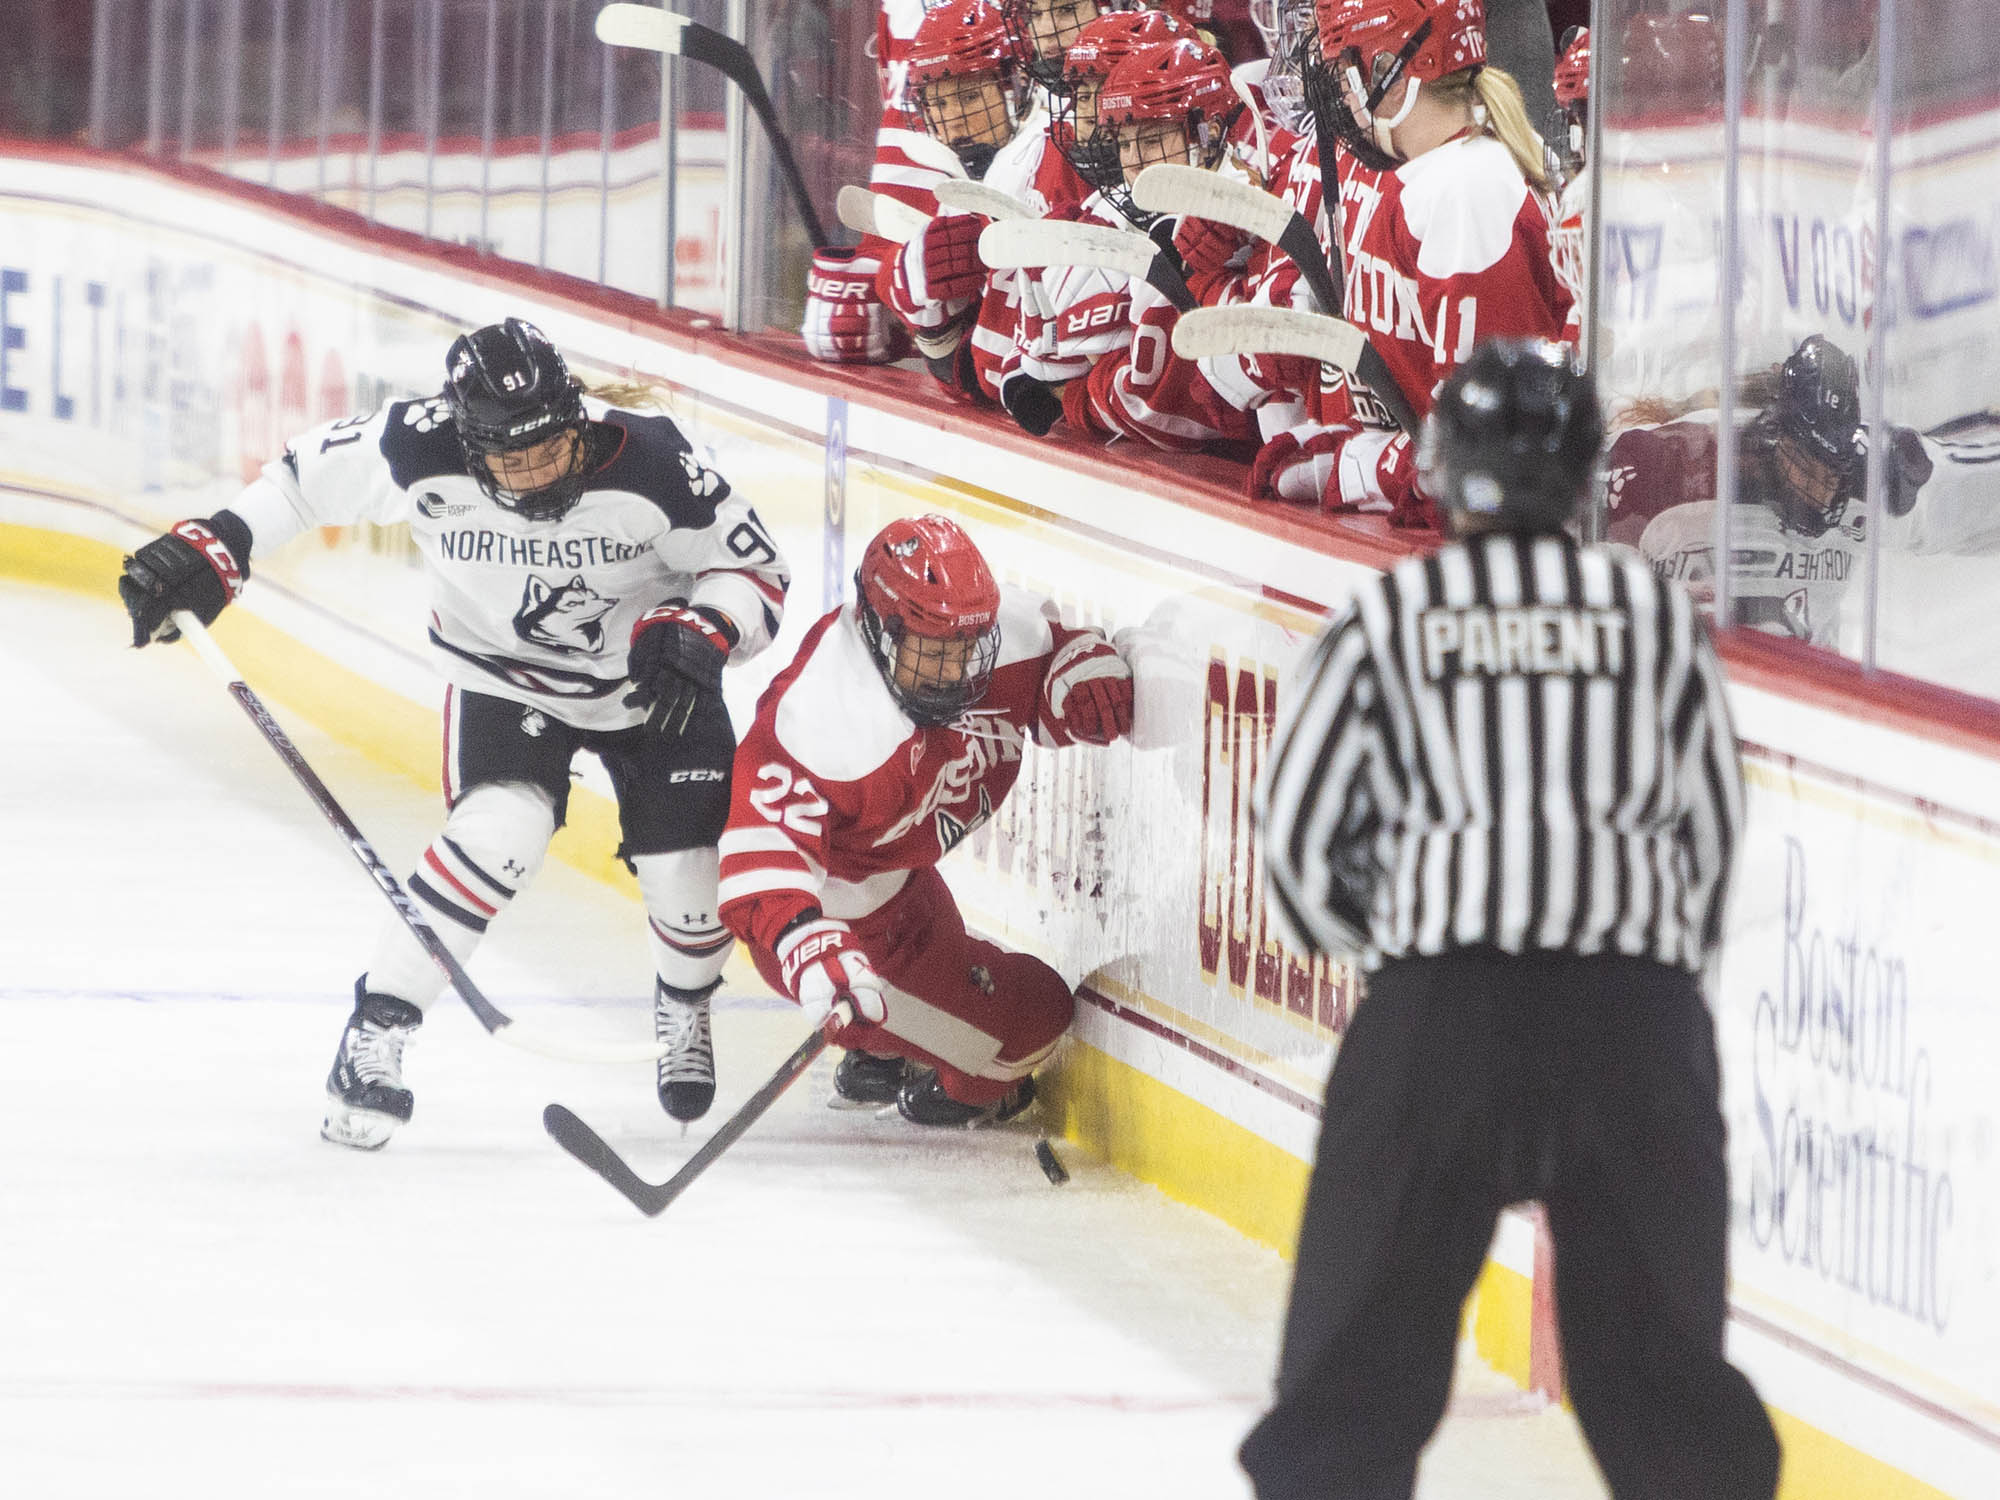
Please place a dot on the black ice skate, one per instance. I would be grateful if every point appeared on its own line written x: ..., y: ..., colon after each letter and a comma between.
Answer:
x: 923, y: 1101
x: 687, y: 1072
x: 365, y: 1097
x: 865, y: 1079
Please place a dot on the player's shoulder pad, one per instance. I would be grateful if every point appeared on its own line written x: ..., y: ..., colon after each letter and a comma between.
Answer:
x: 653, y: 458
x: 1024, y: 627
x: 836, y: 717
x: 1460, y: 203
x: 419, y: 441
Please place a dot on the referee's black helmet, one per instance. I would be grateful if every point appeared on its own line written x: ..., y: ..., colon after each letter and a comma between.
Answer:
x: 1512, y: 439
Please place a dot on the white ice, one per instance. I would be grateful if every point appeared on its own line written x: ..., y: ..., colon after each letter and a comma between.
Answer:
x: 198, y: 1296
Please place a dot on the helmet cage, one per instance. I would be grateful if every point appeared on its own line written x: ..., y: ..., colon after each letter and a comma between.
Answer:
x: 974, y: 125
x: 1020, y: 18
x: 1328, y: 82
x: 544, y: 502
x: 948, y: 673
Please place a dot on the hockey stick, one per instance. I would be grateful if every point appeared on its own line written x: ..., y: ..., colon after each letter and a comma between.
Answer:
x: 928, y: 151
x: 497, y: 1022
x: 969, y: 197
x: 1012, y: 243
x: 1241, y: 329
x: 879, y: 214
x: 1169, y: 188
x: 651, y: 1198
x: 656, y: 30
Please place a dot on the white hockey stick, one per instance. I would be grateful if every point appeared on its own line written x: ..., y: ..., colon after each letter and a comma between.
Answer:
x: 879, y: 214
x: 501, y: 1026
x: 1169, y: 188
x: 1014, y: 243
x: 1210, y: 331
x: 969, y: 197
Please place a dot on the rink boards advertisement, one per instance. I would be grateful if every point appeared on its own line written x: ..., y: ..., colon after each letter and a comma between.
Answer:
x: 159, y: 339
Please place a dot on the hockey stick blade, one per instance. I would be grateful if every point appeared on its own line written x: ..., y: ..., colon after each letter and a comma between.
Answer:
x: 657, y: 30
x: 928, y: 151
x: 652, y: 1198
x: 1013, y: 243
x: 969, y: 197
x: 501, y: 1026
x: 1170, y: 188
x: 855, y: 208
x: 1210, y: 331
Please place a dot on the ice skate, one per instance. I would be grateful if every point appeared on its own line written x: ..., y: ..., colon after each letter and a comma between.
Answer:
x: 365, y: 1097
x: 687, y: 1072
x: 865, y: 1081
x: 923, y: 1101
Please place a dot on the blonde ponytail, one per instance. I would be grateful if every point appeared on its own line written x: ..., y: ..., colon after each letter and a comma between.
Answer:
x: 1507, y: 118
x: 626, y: 393
x: 1493, y: 93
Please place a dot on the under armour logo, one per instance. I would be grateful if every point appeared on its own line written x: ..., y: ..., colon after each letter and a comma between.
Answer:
x: 533, y: 723
x: 514, y: 867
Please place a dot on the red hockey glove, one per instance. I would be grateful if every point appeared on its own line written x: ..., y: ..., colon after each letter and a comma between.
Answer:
x: 822, y: 965
x: 198, y: 566
x: 1087, y: 693
x: 676, y: 659
x: 941, y: 261
x: 846, y: 321
x: 1205, y: 246
x: 1287, y: 469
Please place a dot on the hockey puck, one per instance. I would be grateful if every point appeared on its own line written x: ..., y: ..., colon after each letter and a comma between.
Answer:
x: 1051, y: 1168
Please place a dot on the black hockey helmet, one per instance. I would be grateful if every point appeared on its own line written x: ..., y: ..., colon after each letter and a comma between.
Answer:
x: 509, y: 390
x: 1513, y: 437
x: 1817, y: 452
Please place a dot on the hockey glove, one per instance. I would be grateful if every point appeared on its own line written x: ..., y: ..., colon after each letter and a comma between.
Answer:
x: 1086, y: 695
x: 846, y: 320
x: 676, y: 656
x: 1205, y: 246
x: 941, y: 261
x: 198, y: 566
x: 1032, y: 403
x: 822, y: 965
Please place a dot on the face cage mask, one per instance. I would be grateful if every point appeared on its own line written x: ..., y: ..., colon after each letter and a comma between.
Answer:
x: 932, y: 699
x: 1046, y: 72
x: 1327, y: 99
x: 1809, y: 499
x: 1205, y: 138
x: 547, y: 502
x: 1293, y: 37
x: 954, y: 126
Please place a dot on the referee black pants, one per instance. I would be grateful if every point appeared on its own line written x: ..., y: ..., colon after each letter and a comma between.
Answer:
x: 1471, y: 1081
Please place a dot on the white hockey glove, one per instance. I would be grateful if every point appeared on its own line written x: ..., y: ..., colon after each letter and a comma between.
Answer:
x: 846, y: 322
x: 822, y: 965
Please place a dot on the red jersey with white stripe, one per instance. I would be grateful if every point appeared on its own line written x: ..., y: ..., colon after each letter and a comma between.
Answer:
x: 1443, y: 251
x: 838, y: 795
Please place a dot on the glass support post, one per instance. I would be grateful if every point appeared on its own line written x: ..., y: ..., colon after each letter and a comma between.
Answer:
x: 1729, y: 293
x: 1593, y: 518
x: 486, y: 104
x: 607, y: 125
x: 232, y: 79
x: 670, y: 144
x: 736, y: 191
x: 190, y: 73
x: 101, y: 24
x: 375, y: 47
x: 156, y: 80
x: 432, y: 95
x: 548, y: 128
x: 280, y: 16
x: 1876, y: 394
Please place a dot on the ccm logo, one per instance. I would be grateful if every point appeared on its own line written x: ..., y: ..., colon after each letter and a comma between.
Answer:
x: 1100, y: 316
x: 840, y: 291
x: 698, y: 774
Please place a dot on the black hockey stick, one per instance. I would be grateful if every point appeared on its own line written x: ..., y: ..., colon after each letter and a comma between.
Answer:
x: 652, y: 1198
x: 1169, y: 188
x: 497, y: 1022
x: 657, y: 30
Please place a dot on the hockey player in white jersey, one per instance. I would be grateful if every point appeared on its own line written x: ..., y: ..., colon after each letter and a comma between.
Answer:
x: 589, y: 580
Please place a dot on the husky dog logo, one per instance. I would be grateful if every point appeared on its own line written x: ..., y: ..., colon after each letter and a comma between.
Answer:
x: 563, y: 616
x: 533, y: 723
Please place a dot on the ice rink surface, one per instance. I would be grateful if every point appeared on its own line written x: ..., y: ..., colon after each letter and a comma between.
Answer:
x: 199, y: 1297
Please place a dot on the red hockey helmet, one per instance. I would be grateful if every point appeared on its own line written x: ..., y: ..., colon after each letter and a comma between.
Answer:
x: 930, y: 612
x: 1573, y: 67
x: 1182, y: 81
x: 1110, y: 39
x: 1369, y: 46
x: 1044, y: 30
x: 952, y: 41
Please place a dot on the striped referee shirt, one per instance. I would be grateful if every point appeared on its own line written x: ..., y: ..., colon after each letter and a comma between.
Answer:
x: 1515, y: 743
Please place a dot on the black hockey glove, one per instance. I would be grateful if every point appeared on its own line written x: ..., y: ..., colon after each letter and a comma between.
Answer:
x: 1032, y: 403
x: 676, y: 656
x: 198, y: 566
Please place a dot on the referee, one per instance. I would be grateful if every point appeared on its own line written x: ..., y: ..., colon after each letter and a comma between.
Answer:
x: 1508, y: 783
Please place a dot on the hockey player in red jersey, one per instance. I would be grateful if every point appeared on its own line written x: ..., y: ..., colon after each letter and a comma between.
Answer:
x: 895, y: 733
x: 1566, y: 242
x: 1444, y: 228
